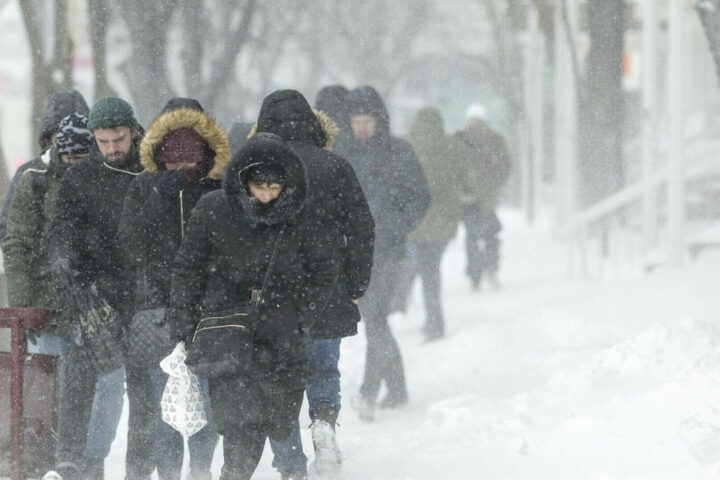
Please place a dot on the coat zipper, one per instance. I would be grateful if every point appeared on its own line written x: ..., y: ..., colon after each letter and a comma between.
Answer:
x: 182, y: 216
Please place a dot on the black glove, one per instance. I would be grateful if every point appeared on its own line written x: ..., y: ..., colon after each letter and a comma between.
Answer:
x: 181, y: 323
x: 31, y: 336
x: 66, y: 282
x: 170, y: 183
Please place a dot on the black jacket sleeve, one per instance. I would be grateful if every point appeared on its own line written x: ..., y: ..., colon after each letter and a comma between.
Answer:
x: 412, y: 190
x: 68, y: 220
x: 359, y: 231
x: 321, y: 272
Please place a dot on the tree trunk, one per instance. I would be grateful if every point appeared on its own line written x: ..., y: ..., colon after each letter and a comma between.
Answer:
x: 145, y: 72
x: 602, y: 103
x: 99, y: 21
x: 709, y: 11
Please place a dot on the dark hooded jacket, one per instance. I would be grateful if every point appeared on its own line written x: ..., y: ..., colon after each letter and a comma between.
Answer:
x: 86, y: 217
x: 60, y: 106
x: 335, y: 198
x: 151, y: 226
x: 390, y: 174
x: 25, y: 248
x: 331, y: 101
x: 225, y: 255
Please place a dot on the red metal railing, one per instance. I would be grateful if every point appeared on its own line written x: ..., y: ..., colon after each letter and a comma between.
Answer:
x: 18, y: 319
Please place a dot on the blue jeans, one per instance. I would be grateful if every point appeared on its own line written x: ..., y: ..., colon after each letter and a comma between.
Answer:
x: 323, y: 387
x: 108, y: 401
x: 169, y: 443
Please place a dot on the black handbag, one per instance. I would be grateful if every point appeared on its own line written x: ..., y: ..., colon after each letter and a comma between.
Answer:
x: 222, y: 344
x: 148, y: 339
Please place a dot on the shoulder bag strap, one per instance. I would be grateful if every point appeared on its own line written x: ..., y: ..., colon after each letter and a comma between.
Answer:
x: 257, y: 298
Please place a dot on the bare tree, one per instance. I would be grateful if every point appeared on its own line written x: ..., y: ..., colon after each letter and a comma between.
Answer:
x: 709, y: 11
x: 50, y: 71
x: 601, y: 112
x: 99, y: 22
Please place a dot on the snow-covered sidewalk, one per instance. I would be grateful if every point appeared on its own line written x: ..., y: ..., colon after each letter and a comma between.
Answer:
x: 547, y: 378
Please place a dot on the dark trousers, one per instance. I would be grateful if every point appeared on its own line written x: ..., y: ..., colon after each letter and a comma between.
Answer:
x: 482, y: 244
x: 383, y: 361
x: 428, y: 256
x: 243, y: 443
x: 76, y: 407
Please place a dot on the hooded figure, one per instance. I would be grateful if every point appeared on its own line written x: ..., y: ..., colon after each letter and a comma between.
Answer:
x: 224, y: 257
x: 61, y: 105
x: 397, y: 192
x: 445, y: 162
x: 25, y: 248
x: 184, y: 153
x: 490, y: 159
x: 336, y: 200
x: 331, y: 100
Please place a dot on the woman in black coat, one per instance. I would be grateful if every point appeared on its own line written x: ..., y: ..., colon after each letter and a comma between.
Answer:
x: 224, y: 257
x: 184, y: 152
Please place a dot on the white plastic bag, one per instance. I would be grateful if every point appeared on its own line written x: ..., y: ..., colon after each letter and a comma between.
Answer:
x: 182, y: 401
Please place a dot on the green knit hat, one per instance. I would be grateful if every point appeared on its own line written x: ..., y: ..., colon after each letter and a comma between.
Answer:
x: 111, y: 112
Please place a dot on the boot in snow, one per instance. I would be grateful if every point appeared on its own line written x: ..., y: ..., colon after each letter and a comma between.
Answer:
x: 328, y: 460
x: 364, y: 407
x: 63, y: 471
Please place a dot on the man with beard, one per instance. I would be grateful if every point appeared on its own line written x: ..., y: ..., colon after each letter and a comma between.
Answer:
x: 85, y: 255
x: 25, y: 254
x: 397, y: 192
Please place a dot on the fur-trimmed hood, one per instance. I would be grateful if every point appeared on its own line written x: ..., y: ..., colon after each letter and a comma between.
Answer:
x: 182, y: 113
x: 287, y: 114
x: 270, y: 149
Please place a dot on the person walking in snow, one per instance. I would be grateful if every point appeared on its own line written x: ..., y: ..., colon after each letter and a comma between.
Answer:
x: 27, y: 266
x: 184, y: 153
x: 452, y: 179
x: 397, y: 192
x: 251, y: 245
x: 86, y: 257
x: 491, y: 160
x: 61, y: 105
x: 336, y: 200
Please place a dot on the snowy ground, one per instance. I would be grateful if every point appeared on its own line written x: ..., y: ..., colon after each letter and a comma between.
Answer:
x: 547, y: 378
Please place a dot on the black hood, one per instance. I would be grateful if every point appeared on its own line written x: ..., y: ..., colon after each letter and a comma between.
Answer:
x: 61, y: 105
x: 287, y: 114
x: 331, y: 100
x: 270, y: 149
x: 238, y: 135
x: 366, y: 101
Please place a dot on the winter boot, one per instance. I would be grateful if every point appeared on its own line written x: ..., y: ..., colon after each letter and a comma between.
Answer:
x: 63, y: 471
x: 394, y: 400
x: 298, y: 474
x: 328, y: 460
x: 364, y: 407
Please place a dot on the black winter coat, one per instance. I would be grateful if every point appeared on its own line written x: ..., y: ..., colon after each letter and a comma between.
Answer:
x: 224, y: 256
x: 390, y: 174
x: 335, y: 198
x: 152, y: 227
x: 85, y: 223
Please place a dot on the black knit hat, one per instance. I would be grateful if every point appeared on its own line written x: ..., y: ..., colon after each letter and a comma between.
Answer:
x: 266, y: 172
x: 73, y: 135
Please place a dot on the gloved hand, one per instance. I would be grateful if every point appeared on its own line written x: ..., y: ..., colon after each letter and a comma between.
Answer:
x: 181, y: 323
x: 170, y: 183
x: 31, y: 336
x: 66, y: 280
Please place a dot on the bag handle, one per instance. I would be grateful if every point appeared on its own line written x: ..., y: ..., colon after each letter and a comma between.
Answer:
x: 257, y: 298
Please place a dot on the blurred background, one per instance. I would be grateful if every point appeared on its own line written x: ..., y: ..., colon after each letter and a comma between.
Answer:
x: 610, y: 107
